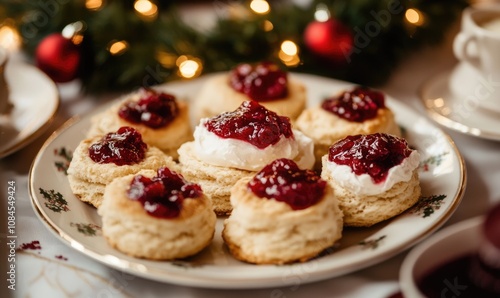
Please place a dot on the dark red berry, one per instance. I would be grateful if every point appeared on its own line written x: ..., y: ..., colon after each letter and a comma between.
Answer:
x: 123, y: 147
x: 260, y: 82
x: 162, y: 195
x: 283, y: 181
x: 154, y: 109
x: 357, y: 105
x: 251, y: 123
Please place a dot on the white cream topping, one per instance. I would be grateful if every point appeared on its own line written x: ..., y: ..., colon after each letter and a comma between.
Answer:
x: 239, y: 154
x: 364, y: 185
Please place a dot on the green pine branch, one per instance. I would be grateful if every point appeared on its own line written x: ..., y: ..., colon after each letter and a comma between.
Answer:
x: 234, y: 40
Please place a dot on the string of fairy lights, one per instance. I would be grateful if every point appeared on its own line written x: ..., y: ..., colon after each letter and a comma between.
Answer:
x: 188, y: 66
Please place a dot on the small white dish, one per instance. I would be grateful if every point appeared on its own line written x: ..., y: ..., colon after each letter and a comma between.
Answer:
x: 441, y: 97
x: 35, y: 100
x: 446, y: 245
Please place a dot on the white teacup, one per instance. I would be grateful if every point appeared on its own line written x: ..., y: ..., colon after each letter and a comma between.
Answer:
x: 478, y: 47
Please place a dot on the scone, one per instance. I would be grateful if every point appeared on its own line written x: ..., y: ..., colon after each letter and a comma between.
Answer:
x: 356, y: 111
x: 156, y: 215
x: 237, y: 144
x: 162, y: 120
x: 375, y: 177
x: 98, y: 160
x: 263, y: 82
x: 283, y: 214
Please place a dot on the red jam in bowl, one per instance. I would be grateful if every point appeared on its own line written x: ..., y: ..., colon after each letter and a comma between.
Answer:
x: 454, y: 275
x: 123, y: 147
x: 357, y: 105
x: 251, y: 123
x: 162, y: 195
x: 154, y: 109
x: 261, y: 82
x: 283, y: 181
x: 373, y: 154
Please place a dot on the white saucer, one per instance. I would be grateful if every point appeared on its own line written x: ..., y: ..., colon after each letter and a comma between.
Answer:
x: 458, y: 113
x: 36, y: 100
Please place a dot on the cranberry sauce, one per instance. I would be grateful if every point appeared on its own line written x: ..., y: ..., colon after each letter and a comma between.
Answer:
x: 261, y: 82
x: 162, y: 195
x: 485, y: 272
x: 123, y: 147
x: 251, y: 123
x: 453, y: 279
x: 154, y: 109
x: 283, y: 181
x: 372, y: 154
x: 491, y: 228
x: 357, y: 105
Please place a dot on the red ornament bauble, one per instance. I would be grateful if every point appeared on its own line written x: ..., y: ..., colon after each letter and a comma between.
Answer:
x: 58, y: 57
x: 330, y: 39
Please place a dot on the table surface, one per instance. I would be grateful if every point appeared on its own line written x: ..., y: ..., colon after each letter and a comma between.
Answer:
x: 56, y: 270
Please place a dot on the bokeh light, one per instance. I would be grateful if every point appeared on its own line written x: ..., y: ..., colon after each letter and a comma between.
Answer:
x: 289, y: 47
x: 322, y: 13
x: 10, y: 38
x: 146, y: 8
x: 118, y: 47
x: 260, y: 6
x: 414, y: 16
x: 94, y: 4
x: 289, y: 53
x: 267, y: 26
x: 189, y: 67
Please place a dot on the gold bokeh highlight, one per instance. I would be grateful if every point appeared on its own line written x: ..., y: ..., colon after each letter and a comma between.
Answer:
x: 414, y: 16
x: 94, y: 4
x: 10, y: 38
x: 260, y: 6
x: 118, y: 47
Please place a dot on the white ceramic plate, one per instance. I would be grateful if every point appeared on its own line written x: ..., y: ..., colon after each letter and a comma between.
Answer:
x: 460, y: 113
x: 36, y: 100
x: 443, y: 181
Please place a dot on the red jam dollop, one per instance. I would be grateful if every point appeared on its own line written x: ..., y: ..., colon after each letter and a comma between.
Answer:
x: 283, y: 181
x: 251, y: 123
x: 357, y: 105
x: 372, y: 154
x: 261, y: 82
x: 123, y: 147
x: 154, y: 109
x: 162, y: 195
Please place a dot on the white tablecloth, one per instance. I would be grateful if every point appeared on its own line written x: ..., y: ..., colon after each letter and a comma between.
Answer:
x: 52, y: 269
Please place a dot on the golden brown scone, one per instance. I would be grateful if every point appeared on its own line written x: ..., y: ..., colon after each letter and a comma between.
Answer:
x: 265, y: 231
x: 167, y: 138
x: 326, y: 128
x: 392, y: 187
x: 237, y: 144
x: 217, y: 96
x: 215, y: 181
x: 367, y: 210
x: 130, y: 229
x: 88, y: 179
